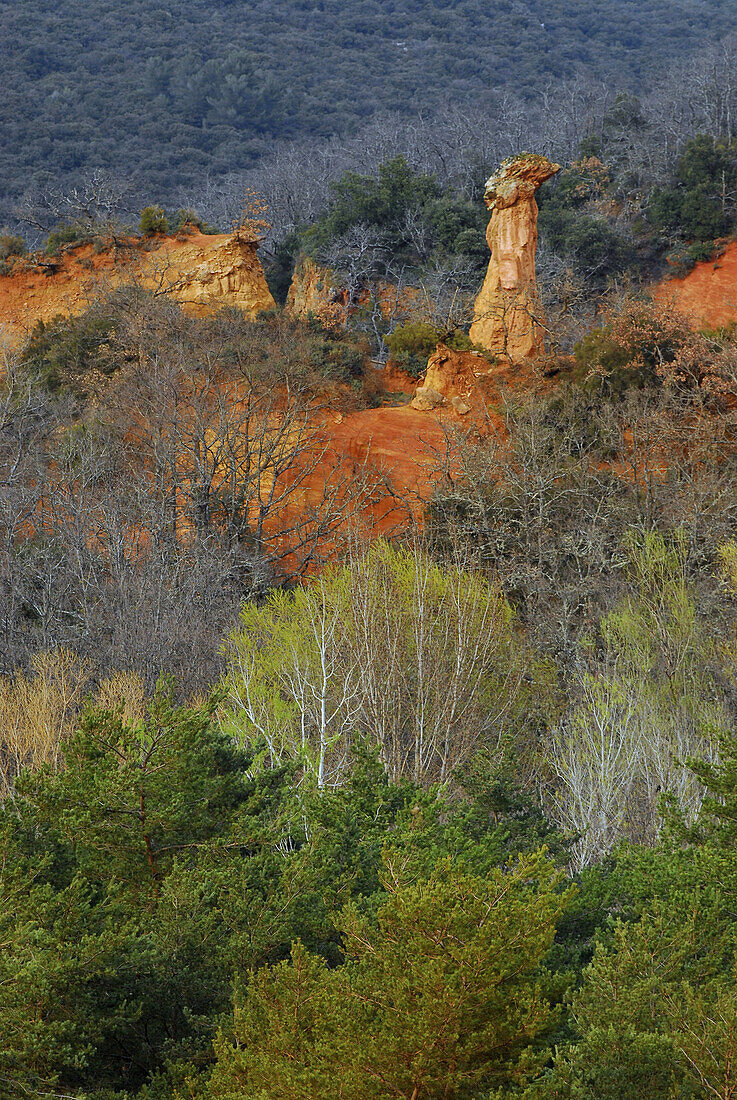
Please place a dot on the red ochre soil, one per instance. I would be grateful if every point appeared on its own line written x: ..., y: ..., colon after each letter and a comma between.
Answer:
x: 403, y: 448
x: 708, y: 294
x: 402, y: 451
x: 396, y: 449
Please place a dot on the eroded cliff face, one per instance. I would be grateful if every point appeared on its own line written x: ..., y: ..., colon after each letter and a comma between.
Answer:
x: 202, y: 272
x: 227, y: 273
x: 316, y: 291
x: 312, y: 293
x: 507, y: 313
x: 707, y: 296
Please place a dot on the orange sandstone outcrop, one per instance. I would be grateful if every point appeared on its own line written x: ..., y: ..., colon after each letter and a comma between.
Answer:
x: 451, y: 377
x: 316, y: 292
x: 313, y: 294
x: 228, y: 272
x: 507, y: 312
x: 463, y: 389
x: 200, y: 271
x: 708, y: 294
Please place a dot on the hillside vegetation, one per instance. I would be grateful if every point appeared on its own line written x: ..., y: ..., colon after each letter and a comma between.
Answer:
x: 446, y: 816
x: 361, y: 740
x: 168, y: 93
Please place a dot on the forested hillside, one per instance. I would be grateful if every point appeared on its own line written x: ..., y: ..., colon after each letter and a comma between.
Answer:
x: 368, y: 644
x: 165, y: 94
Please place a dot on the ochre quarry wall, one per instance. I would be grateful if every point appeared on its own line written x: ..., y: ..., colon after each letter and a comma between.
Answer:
x: 507, y: 313
x: 708, y: 294
x: 202, y: 272
x: 316, y: 291
x: 312, y: 293
x: 228, y: 272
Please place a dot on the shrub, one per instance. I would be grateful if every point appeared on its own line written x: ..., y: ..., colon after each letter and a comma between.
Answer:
x: 184, y: 219
x: 647, y: 344
x: 699, y: 203
x: 684, y: 259
x: 412, y: 344
x: 11, y: 245
x: 399, y: 198
x: 153, y: 220
x: 574, y: 222
x: 63, y: 350
x: 599, y: 356
x: 66, y: 234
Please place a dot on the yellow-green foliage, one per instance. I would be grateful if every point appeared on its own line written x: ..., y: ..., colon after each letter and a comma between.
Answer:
x: 649, y: 706
x: 438, y: 997
x: 422, y: 660
x: 154, y: 220
x: 412, y: 344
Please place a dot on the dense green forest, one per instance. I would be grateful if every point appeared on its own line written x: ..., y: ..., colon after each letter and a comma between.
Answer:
x: 165, y: 95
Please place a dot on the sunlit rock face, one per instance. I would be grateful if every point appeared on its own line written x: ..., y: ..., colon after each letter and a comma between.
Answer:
x: 202, y: 272
x: 507, y: 316
x: 449, y: 377
x: 226, y: 273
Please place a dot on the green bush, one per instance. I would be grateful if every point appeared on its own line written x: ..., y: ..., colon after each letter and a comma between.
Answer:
x: 684, y: 259
x: 699, y: 203
x: 602, y: 362
x: 66, y: 234
x: 380, y: 203
x: 11, y: 245
x: 61, y: 351
x: 153, y: 220
x: 459, y: 340
x: 183, y: 218
x: 445, y: 224
x: 589, y: 241
x: 412, y: 344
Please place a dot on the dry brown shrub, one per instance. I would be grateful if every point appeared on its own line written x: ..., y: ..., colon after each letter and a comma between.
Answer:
x: 125, y: 693
x: 658, y: 338
x: 37, y: 711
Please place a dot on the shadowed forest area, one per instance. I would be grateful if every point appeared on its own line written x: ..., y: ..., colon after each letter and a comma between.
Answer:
x: 349, y: 747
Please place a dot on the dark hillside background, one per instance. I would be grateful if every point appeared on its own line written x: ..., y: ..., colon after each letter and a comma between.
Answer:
x: 164, y: 93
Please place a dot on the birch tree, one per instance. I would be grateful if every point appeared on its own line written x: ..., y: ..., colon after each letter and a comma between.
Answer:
x: 422, y: 661
x: 635, y: 721
x: 289, y: 688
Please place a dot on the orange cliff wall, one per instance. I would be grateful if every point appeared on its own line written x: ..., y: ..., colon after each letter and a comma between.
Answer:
x: 708, y: 294
x: 197, y: 270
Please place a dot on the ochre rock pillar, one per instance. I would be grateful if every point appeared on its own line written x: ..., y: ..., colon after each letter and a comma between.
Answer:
x: 507, y: 313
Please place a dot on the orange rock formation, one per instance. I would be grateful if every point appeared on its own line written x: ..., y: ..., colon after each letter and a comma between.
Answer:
x: 313, y: 294
x: 465, y: 392
x: 315, y: 291
x: 708, y: 294
x: 507, y: 312
x: 451, y: 377
x: 199, y: 271
x: 225, y: 272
